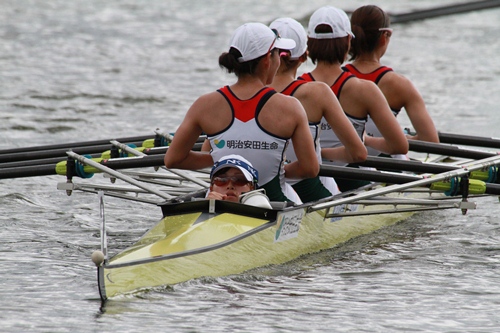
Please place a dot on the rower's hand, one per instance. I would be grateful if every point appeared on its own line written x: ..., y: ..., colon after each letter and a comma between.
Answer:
x: 216, y: 196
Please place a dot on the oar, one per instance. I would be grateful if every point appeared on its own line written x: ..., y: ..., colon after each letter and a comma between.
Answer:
x: 60, y: 168
x: 465, y: 140
x: 444, y: 149
x: 392, y: 164
x: 54, y: 156
x: 489, y: 175
x: 396, y: 178
x: 177, y: 172
x: 73, y: 145
x: 404, y: 181
x: 444, y: 10
x: 469, y: 140
x: 431, y: 12
x: 118, y: 175
x: 53, y: 151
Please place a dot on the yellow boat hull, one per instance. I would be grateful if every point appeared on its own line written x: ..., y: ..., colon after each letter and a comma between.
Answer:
x: 230, y: 240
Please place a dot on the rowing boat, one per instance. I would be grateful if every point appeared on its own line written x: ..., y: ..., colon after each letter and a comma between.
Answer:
x: 218, y: 238
x: 210, y: 238
x: 195, y: 237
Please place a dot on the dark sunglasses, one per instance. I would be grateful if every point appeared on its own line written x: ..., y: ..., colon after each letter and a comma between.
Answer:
x: 277, y: 35
x: 236, y: 180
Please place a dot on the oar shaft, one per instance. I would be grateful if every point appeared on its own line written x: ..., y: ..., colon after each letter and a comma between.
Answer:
x: 400, y: 182
x: 72, y: 145
x: 50, y: 169
x: 443, y: 149
x: 28, y: 171
x: 444, y: 10
x: 177, y: 172
x: 59, y: 152
x: 392, y: 164
x: 395, y: 178
x: 364, y: 174
x: 88, y: 150
x: 118, y: 175
x: 52, y: 160
x: 469, y: 140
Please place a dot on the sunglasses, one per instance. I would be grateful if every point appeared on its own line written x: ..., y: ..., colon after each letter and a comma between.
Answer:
x: 277, y: 35
x: 239, y: 180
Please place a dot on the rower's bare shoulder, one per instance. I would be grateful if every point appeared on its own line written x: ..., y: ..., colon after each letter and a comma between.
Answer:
x: 212, y: 101
x: 361, y: 87
x: 398, y: 84
x: 284, y: 102
x: 394, y: 81
x: 209, y: 98
x: 314, y: 91
x: 317, y: 88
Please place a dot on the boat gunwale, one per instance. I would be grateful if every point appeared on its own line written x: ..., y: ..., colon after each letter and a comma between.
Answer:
x: 195, y: 251
x: 227, y: 207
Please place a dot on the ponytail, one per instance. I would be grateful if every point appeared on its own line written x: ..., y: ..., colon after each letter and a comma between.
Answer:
x: 229, y: 61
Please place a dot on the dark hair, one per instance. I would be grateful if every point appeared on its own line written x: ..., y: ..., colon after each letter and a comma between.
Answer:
x: 229, y: 61
x: 331, y: 50
x: 365, y: 24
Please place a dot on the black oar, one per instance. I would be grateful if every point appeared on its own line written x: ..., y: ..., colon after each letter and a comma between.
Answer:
x: 73, y: 145
x: 443, y: 149
x: 489, y: 175
x: 383, y: 177
x: 55, y: 156
x: 392, y: 164
x: 465, y: 140
x: 469, y: 140
x: 51, y: 153
x: 52, y: 169
x: 432, y: 12
x: 444, y: 10
x: 154, y: 158
x: 82, y: 148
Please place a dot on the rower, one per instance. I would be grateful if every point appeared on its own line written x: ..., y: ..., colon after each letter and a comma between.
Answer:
x: 319, y: 101
x: 371, y: 25
x: 248, y: 118
x: 330, y: 35
x: 230, y: 177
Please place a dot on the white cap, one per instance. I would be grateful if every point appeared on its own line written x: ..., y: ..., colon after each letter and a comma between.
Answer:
x: 290, y: 28
x: 236, y: 161
x: 254, y: 40
x: 336, y: 18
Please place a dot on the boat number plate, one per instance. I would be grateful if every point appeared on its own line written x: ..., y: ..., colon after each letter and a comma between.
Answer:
x: 288, y: 225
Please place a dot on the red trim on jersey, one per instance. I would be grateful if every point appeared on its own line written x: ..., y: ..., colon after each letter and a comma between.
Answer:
x: 244, y: 110
x: 337, y: 85
x: 374, y: 76
x: 292, y: 87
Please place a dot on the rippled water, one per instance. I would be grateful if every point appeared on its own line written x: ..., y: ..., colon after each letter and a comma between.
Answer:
x: 85, y: 70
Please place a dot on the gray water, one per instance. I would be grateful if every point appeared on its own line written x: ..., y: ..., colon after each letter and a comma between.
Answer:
x: 84, y: 70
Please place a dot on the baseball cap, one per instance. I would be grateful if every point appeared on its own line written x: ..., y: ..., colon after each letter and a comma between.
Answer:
x: 290, y: 28
x: 254, y: 40
x: 236, y: 161
x: 336, y: 18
